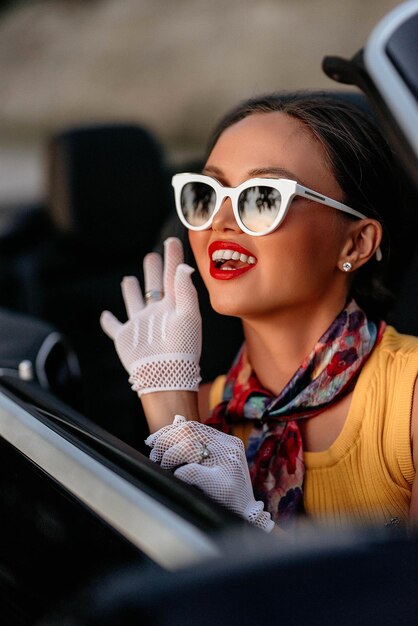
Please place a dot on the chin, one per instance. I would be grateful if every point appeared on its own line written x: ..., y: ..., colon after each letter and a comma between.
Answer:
x: 225, y: 306
x: 231, y: 306
x: 230, y: 297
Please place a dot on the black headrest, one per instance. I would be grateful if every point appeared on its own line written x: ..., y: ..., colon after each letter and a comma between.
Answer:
x: 21, y: 226
x: 107, y: 185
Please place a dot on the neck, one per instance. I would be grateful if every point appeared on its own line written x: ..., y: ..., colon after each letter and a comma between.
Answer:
x: 277, y: 345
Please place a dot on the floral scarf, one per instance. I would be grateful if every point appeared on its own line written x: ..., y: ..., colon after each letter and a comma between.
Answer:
x: 274, y: 451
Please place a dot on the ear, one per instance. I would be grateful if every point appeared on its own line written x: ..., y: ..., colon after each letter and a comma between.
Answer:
x: 362, y: 241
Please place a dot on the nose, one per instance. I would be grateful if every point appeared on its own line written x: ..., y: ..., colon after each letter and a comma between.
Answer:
x: 224, y: 219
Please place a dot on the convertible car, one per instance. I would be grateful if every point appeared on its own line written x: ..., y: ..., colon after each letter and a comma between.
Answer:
x: 95, y: 533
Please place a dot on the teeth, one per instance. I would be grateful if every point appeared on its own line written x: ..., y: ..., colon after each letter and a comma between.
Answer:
x: 227, y: 255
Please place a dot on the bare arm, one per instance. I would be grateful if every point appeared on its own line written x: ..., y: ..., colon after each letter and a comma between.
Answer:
x: 413, y: 512
x: 160, y: 407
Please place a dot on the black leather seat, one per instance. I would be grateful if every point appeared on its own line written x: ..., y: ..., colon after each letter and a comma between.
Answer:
x: 108, y: 196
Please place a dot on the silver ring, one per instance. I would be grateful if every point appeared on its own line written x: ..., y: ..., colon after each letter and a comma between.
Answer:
x: 204, y: 453
x: 153, y: 295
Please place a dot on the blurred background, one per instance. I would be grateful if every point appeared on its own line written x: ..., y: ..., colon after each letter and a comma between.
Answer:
x: 100, y: 102
x: 173, y: 65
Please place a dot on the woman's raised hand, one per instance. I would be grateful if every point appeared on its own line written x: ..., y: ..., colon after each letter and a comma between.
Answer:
x: 160, y: 344
x: 213, y: 461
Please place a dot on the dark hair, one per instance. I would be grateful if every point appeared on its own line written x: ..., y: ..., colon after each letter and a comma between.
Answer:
x: 361, y: 162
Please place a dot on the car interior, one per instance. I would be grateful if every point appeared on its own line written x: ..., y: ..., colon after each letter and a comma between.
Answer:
x: 63, y: 278
x: 69, y: 270
x: 95, y: 532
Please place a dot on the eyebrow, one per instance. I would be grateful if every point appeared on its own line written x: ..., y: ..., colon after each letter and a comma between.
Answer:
x: 268, y: 172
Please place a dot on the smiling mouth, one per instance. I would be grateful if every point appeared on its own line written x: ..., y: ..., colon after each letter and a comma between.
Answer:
x: 229, y: 260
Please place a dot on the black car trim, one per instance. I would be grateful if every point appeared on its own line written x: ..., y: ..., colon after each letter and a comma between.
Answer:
x: 158, y: 531
x: 119, y: 456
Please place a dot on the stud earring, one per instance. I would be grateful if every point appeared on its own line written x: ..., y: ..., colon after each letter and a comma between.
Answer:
x: 347, y: 266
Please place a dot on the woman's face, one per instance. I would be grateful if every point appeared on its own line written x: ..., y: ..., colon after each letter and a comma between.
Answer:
x: 296, y: 265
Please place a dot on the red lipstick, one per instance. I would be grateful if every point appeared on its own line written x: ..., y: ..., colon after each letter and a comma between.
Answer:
x: 217, y: 272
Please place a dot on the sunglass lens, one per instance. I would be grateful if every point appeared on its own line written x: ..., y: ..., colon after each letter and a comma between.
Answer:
x: 197, y: 203
x: 258, y: 207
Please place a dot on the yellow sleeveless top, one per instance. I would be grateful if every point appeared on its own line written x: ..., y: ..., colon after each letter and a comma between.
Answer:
x: 366, y: 475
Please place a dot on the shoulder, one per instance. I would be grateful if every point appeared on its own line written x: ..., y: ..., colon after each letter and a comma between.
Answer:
x: 414, y: 445
x: 399, y: 353
x: 386, y: 399
x: 395, y: 356
x: 397, y: 344
x: 414, y: 423
x: 393, y: 364
x: 387, y: 381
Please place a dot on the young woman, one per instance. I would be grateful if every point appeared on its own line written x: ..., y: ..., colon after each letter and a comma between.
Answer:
x: 290, y: 226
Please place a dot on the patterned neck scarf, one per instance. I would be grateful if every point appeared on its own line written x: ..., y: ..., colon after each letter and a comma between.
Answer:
x: 274, y: 450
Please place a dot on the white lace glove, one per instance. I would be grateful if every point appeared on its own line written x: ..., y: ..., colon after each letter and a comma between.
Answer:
x: 160, y: 344
x: 202, y: 456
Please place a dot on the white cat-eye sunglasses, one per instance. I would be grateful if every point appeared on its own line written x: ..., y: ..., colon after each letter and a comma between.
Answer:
x: 259, y: 204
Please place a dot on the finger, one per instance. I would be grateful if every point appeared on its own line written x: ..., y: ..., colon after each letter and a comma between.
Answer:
x: 153, y: 438
x: 185, y: 292
x: 177, y: 421
x: 181, y: 453
x: 153, y: 273
x: 110, y: 324
x: 213, y: 481
x: 169, y: 436
x: 132, y: 295
x: 193, y: 474
x: 173, y: 256
x: 210, y: 479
